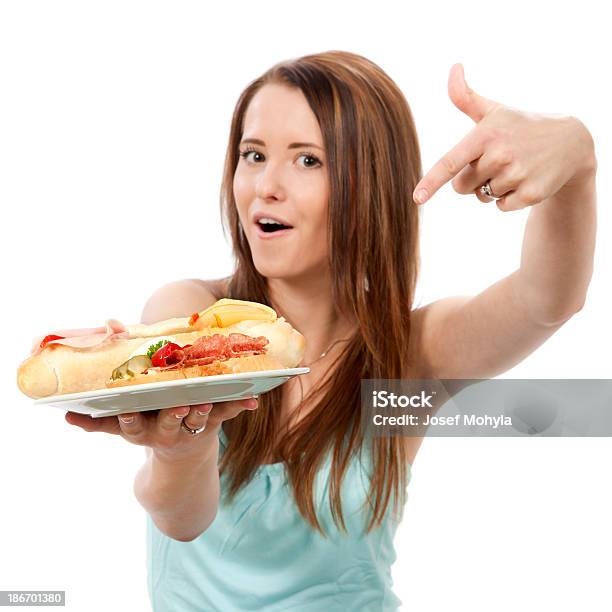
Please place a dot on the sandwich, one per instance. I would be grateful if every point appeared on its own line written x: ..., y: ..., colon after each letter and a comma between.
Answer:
x: 231, y: 336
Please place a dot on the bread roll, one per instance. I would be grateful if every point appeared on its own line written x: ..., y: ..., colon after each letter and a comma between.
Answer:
x: 59, y: 369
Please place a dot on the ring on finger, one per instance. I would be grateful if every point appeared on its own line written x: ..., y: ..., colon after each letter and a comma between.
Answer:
x: 193, y: 432
x: 486, y: 190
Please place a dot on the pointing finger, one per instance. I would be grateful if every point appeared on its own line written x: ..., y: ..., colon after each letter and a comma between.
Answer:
x: 469, y: 149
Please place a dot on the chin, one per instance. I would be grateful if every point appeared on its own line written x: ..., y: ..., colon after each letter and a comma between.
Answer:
x: 278, y: 269
x: 277, y: 273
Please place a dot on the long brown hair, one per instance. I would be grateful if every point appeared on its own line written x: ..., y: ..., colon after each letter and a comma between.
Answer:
x: 374, y: 163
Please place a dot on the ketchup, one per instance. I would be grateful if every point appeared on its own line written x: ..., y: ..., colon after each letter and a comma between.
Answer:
x: 48, y: 339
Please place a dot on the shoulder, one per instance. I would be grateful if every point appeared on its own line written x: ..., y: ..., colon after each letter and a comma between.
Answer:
x: 182, y: 298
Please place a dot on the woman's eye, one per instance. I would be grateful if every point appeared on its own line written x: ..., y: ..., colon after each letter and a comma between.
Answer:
x: 313, y: 161
x: 245, y: 154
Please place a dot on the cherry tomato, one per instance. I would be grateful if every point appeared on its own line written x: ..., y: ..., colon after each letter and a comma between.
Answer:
x: 48, y: 339
x: 161, y: 355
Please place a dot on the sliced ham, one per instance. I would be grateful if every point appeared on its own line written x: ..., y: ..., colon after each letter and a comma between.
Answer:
x: 84, y: 338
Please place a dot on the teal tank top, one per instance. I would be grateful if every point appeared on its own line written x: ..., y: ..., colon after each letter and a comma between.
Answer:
x: 261, y: 554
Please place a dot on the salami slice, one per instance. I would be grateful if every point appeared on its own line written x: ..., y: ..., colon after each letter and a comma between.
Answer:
x: 207, y: 349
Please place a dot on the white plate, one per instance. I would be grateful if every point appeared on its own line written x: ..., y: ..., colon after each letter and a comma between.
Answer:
x: 183, y: 392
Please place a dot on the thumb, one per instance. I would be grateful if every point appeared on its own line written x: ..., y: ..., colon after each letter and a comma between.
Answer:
x: 466, y: 99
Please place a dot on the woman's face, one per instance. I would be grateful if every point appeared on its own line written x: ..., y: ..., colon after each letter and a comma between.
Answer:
x: 278, y: 179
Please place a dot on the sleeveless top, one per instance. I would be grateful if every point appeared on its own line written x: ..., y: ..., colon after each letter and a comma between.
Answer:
x: 259, y: 553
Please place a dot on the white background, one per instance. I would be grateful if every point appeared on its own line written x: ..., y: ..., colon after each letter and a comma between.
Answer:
x: 114, y: 120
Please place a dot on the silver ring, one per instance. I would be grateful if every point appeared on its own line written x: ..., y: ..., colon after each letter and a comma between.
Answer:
x: 188, y: 429
x: 486, y: 190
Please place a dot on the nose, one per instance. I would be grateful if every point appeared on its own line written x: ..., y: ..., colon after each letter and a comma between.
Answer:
x: 270, y: 182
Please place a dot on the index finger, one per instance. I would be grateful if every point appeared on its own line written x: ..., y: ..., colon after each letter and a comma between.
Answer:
x: 448, y: 166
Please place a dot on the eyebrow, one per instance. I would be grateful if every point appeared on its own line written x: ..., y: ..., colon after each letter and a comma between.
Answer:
x: 293, y: 145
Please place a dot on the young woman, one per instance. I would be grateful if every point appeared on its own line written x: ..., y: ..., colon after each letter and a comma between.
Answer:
x: 289, y: 507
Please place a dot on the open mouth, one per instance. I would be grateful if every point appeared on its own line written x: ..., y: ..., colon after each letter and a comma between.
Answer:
x: 270, y: 228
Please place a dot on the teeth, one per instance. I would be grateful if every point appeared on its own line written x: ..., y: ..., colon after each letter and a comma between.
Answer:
x: 267, y: 220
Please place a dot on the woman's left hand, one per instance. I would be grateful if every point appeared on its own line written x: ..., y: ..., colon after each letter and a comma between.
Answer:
x: 526, y: 157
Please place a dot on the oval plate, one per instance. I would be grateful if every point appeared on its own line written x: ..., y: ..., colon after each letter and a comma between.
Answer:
x: 168, y: 394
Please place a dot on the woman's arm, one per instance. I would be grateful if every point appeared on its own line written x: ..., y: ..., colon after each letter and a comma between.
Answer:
x: 557, y: 253
x: 179, y: 483
x: 181, y: 496
x: 543, y: 161
x: 484, y: 335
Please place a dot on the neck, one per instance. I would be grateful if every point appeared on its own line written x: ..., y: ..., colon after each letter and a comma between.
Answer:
x: 307, y: 305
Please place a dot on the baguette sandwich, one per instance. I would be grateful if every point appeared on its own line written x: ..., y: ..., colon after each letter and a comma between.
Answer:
x: 231, y: 336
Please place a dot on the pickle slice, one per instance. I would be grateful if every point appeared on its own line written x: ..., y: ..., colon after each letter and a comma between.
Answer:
x: 138, y: 364
x: 132, y: 367
x: 120, y: 372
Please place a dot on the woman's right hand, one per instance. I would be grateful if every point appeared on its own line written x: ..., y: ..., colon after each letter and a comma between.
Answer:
x: 161, y: 430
